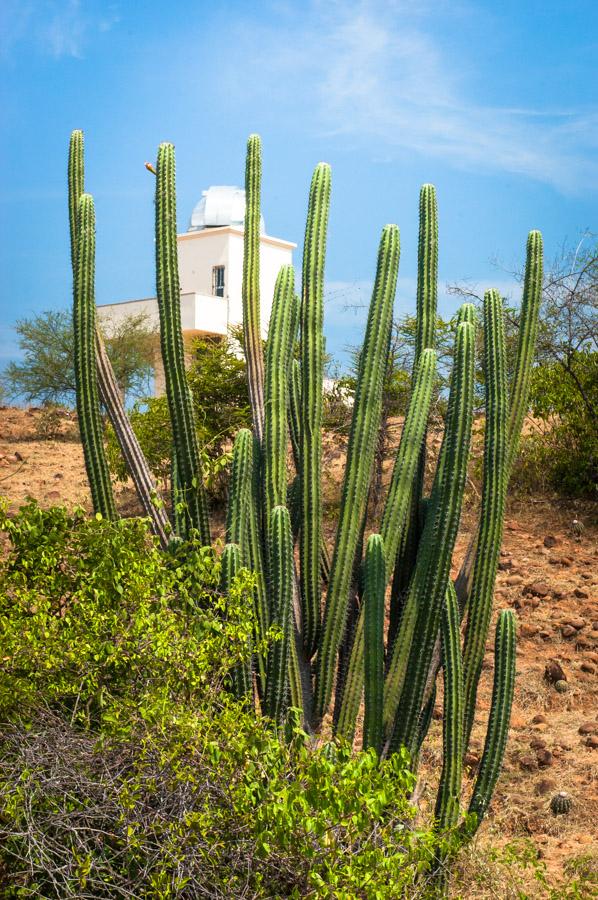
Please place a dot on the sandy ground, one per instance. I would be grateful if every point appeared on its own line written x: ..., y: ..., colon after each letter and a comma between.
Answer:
x: 547, y: 574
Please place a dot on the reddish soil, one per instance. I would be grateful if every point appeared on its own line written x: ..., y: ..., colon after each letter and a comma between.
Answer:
x: 547, y: 574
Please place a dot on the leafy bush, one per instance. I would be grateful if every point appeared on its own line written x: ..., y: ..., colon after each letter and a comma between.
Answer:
x: 126, y: 768
x: 562, y: 455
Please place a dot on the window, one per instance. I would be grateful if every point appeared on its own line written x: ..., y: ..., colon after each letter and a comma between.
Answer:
x: 218, y: 281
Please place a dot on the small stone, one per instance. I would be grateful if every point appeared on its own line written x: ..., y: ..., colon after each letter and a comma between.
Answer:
x: 537, y: 744
x: 575, y: 622
x: 544, y: 758
x: 472, y: 761
x: 539, y: 589
x: 588, y: 728
x: 588, y: 667
x: 550, y: 541
x: 545, y: 635
x: 528, y: 763
x: 514, y: 579
x: 568, y: 631
x: 505, y: 565
x: 579, y: 592
x: 592, y: 742
x: 561, y: 686
x: 539, y: 719
x: 529, y: 631
x: 545, y: 786
x: 553, y: 672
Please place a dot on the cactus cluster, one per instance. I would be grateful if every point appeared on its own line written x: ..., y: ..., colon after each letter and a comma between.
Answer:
x: 335, y: 645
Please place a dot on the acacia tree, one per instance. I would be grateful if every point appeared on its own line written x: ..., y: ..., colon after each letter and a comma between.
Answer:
x: 46, y: 372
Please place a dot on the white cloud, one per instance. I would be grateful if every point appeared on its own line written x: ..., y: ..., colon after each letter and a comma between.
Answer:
x: 57, y: 28
x: 376, y: 71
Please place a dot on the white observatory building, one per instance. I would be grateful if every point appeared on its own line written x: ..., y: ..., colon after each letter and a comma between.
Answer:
x: 211, y: 270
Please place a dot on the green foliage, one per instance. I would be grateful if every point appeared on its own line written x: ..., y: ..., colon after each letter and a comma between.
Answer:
x: 562, y: 454
x: 47, y: 374
x: 114, y: 655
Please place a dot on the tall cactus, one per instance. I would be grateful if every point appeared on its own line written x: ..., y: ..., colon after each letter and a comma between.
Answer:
x: 108, y: 390
x: 312, y: 375
x: 415, y: 543
x: 365, y: 423
x: 494, y: 492
x: 173, y: 354
x: 252, y: 330
x: 88, y: 404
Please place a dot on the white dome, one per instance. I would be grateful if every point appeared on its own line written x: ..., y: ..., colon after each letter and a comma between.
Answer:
x: 219, y: 206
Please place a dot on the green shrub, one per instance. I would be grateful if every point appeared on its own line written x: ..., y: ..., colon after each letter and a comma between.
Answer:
x: 562, y: 454
x: 126, y: 768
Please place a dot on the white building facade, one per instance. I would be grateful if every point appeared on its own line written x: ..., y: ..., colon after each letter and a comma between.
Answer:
x: 210, y: 270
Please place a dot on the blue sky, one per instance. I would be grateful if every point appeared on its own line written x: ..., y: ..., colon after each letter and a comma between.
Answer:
x: 493, y: 103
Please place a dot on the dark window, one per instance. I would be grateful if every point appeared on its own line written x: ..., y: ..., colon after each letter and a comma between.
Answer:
x: 218, y: 281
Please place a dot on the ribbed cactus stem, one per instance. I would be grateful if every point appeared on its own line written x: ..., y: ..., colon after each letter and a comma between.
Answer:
x: 179, y: 519
x: 373, y: 601
x: 421, y: 615
x: 427, y: 271
x: 279, y: 351
x: 231, y: 564
x: 255, y: 549
x: 492, y: 510
x: 88, y: 404
x: 500, y: 714
x: 76, y: 186
x: 528, y: 330
x: 406, y: 460
x: 449, y: 790
x: 281, y: 567
x: 239, y: 506
x: 169, y: 304
x: 365, y: 423
x: 250, y: 291
x: 312, y: 375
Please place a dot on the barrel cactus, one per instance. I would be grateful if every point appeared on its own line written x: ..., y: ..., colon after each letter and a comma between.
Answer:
x: 374, y: 620
x: 561, y: 803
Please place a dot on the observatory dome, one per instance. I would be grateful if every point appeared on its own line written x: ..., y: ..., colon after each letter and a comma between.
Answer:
x: 219, y: 206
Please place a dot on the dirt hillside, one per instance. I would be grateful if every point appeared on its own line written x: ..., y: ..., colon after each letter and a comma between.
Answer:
x: 548, y: 574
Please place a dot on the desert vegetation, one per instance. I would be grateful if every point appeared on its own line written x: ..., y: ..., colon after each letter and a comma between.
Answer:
x: 247, y: 703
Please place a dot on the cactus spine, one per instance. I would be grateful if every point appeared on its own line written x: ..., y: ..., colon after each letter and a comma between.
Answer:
x: 173, y: 355
x: 365, y: 423
x: 312, y: 376
x: 88, y: 404
x: 252, y: 330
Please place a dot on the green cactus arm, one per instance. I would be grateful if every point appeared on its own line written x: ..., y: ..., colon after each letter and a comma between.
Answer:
x: 279, y: 351
x: 492, y: 511
x: 500, y: 715
x: 373, y: 602
x: 365, y: 423
x: 76, y: 186
x: 255, y: 551
x: 449, y: 789
x: 250, y: 289
x: 312, y: 375
x: 350, y: 691
x: 405, y: 683
x: 295, y: 413
x: 88, y: 404
x: 427, y: 272
x: 239, y: 493
x: 231, y: 564
x: 108, y: 389
x: 179, y: 519
x: 406, y: 460
x: 528, y: 331
x: 281, y: 569
x: 171, y: 338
